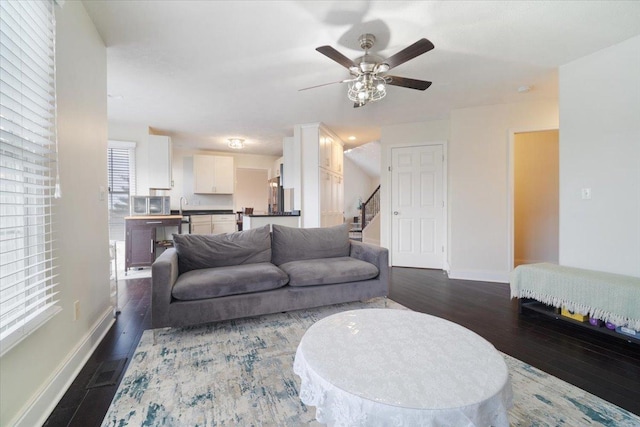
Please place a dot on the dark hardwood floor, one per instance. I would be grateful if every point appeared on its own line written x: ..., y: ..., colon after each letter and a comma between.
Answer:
x: 603, y: 365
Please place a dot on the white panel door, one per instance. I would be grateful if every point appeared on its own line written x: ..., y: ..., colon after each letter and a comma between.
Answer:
x: 417, y: 203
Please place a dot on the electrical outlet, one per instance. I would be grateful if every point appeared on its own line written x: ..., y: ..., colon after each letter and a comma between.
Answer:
x: 76, y: 310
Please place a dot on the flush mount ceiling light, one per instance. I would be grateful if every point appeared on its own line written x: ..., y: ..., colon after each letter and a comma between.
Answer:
x: 368, y: 73
x: 236, y: 143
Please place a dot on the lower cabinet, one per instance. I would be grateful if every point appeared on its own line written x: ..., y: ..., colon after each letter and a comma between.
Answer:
x: 140, y: 239
x: 200, y: 224
x: 140, y: 246
x: 213, y: 224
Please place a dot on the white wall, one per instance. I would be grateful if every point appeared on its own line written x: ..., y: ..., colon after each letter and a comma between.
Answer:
x: 357, y: 185
x: 479, y: 188
x: 600, y: 150
x: 36, y: 373
x: 478, y: 244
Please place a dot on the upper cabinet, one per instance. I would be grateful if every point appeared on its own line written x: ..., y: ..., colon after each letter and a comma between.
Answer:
x: 316, y: 174
x: 160, y: 162
x: 331, y: 151
x: 213, y: 174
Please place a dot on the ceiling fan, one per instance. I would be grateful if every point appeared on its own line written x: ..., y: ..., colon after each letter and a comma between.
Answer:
x: 369, y: 72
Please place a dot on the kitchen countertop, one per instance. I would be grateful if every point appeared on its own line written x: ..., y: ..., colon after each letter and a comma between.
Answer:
x: 204, y: 212
x: 260, y: 215
x: 154, y: 217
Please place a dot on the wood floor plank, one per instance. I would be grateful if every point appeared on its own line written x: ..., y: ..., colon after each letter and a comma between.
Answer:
x: 602, y: 365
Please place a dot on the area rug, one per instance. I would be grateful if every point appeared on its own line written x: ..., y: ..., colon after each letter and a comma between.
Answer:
x: 240, y: 373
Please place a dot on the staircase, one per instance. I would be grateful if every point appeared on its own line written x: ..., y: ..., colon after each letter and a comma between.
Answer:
x: 369, y: 213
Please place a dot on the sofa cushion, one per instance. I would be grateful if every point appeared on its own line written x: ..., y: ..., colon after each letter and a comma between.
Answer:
x: 231, y: 280
x: 328, y: 271
x: 219, y: 250
x: 294, y: 244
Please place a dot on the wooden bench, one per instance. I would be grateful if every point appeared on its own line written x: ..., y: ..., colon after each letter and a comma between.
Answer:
x: 608, y: 297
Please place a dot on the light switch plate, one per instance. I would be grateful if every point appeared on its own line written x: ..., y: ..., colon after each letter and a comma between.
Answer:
x: 586, y: 194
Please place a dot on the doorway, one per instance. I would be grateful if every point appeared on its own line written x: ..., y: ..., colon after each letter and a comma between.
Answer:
x: 535, y: 197
x: 418, y: 206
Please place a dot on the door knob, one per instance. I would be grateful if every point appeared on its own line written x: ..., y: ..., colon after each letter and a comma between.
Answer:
x: 395, y: 212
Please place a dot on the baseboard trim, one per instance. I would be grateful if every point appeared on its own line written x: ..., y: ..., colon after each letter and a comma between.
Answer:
x: 43, y: 404
x: 480, y: 275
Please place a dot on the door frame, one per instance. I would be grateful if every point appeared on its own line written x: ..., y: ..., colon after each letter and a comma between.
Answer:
x: 386, y: 217
x: 511, y: 189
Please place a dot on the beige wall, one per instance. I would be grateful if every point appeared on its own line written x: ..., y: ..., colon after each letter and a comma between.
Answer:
x: 252, y: 190
x: 37, y: 372
x: 536, y: 197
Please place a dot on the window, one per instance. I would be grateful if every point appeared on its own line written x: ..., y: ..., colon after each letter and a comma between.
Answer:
x: 121, y: 158
x: 27, y: 168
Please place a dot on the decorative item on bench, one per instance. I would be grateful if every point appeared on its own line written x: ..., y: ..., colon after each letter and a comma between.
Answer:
x: 575, y: 316
x: 610, y: 325
x: 595, y: 322
x: 627, y: 331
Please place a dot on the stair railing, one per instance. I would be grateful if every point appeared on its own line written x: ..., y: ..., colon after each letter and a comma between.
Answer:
x: 371, y: 207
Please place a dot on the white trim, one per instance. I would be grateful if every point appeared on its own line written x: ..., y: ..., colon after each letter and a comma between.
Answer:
x: 36, y: 411
x: 121, y: 144
x: 480, y: 275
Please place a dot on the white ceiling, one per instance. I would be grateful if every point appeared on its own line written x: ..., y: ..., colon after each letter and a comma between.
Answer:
x: 205, y: 71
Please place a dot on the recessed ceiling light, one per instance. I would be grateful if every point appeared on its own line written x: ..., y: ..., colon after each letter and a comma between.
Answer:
x: 352, y: 138
x: 524, y: 89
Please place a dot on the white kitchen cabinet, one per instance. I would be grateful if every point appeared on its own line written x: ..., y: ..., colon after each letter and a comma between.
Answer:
x: 213, y: 174
x: 331, y: 198
x: 213, y: 224
x: 337, y: 157
x: 200, y: 224
x: 160, y: 176
x: 322, y: 186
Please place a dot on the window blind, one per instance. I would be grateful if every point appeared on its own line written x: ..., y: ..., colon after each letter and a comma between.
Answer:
x: 27, y: 168
x: 121, y: 173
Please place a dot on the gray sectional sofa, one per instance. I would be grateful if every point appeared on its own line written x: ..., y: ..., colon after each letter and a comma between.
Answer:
x: 208, y: 278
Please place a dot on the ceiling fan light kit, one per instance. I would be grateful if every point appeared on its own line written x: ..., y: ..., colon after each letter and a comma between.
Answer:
x: 369, y: 79
x: 236, y: 143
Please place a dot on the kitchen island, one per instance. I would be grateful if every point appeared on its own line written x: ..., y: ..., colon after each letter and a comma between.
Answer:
x: 256, y: 221
x: 141, y: 240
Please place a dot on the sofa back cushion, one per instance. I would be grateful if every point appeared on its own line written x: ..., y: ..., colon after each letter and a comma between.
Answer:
x: 294, y: 244
x: 220, y: 250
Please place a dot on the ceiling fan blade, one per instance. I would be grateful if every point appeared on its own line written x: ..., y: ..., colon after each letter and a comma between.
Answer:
x: 331, y: 53
x: 407, y: 82
x: 326, y: 84
x: 410, y: 52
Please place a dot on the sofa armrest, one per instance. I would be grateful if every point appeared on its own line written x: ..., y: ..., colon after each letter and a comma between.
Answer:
x: 373, y: 254
x: 164, y: 273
